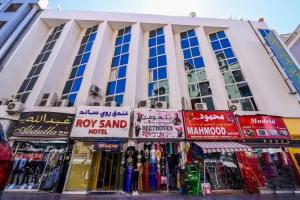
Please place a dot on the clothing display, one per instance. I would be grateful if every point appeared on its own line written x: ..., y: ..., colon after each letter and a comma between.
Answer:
x: 36, y: 166
x: 155, y: 167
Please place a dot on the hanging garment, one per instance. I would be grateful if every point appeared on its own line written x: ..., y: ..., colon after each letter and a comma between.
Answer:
x: 153, y: 176
x: 128, y: 178
x: 146, y: 187
x: 140, y: 181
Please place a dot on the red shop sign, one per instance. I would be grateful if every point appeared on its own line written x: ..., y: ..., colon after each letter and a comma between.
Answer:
x: 210, y: 125
x: 266, y: 127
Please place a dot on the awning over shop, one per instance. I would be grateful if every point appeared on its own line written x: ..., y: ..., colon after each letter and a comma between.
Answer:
x: 209, y: 147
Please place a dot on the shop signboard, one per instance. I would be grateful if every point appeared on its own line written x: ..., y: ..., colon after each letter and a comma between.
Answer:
x: 101, y: 121
x: 262, y: 127
x: 293, y: 126
x: 158, y: 124
x: 108, y: 146
x: 43, y: 125
x: 210, y: 125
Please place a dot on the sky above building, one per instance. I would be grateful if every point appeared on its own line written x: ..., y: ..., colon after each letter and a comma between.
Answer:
x: 281, y: 15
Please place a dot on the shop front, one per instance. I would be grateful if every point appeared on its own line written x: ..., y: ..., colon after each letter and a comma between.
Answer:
x: 155, y: 162
x: 214, y: 147
x: 101, y: 136
x: 40, y: 146
x: 269, y: 138
x: 293, y: 126
x: 5, y: 155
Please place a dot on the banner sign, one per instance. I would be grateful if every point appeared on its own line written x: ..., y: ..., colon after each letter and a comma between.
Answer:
x: 44, y: 124
x: 107, y: 146
x: 210, y: 125
x: 101, y: 121
x: 263, y: 127
x: 157, y: 124
x: 288, y: 65
x: 29, y: 156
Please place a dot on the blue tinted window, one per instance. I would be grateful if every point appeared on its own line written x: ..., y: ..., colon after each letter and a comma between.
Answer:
x: 194, y: 41
x: 216, y: 45
x: 124, y: 59
x: 152, y: 62
x: 125, y: 48
x: 159, y: 31
x: 162, y: 73
x: 122, y: 72
x: 184, y: 44
x: 117, y: 51
x: 115, y: 61
x: 121, y: 86
x: 85, y: 58
x: 154, y: 74
x: 150, y: 89
x: 195, y: 51
x: 232, y: 61
x: 111, y: 88
x: 213, y: 37
x: 88, y: 47
x: 152, y: 42
x: 152, y: 51
x: 228, y: 53
x: 187, y: 54
x: 225, y: 43
x: 183, y: 35
x: 162, y: 60
x: 80, y: 70
x: 189, y: 64
x: 92, y: 37
x: 126, y: 38
x: 160, y: 49
x: 221, y: 34
x: 160, y: 40
x: 72, y: 98
x: 199, y: 62
x: 118, y: 41
x: 119, y: 99
x: 191, y: 33
x: 76, y: 84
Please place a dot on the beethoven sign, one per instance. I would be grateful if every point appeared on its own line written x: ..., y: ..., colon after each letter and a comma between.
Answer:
x: 210, y: 125
x: 43, y: 124
x: 157, y: 124
x: 92, y: 121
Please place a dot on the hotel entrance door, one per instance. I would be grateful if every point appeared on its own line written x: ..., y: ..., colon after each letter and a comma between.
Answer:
x: 105, y: 174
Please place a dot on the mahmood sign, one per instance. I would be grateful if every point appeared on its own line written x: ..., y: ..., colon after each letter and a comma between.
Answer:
x: 101, y: 121
x: 210, y: 125
x: 43, y: 124
x: 157, y: 124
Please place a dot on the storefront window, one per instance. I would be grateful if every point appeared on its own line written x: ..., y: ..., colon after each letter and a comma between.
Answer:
x: 277, y: 168
x: 221, y: 171
x: 37, y: 165
x: 80, y: 167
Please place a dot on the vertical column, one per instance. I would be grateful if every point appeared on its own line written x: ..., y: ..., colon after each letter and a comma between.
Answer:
x: 172, y: 68
x: 212, y: 71
x: 135, y: 60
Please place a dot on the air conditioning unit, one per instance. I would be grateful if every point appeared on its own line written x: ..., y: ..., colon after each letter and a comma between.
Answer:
x: 95, y: 103
x: 95, y: 90
x: 49, y: 99
x: 184, y: 103
x: 233, y: 106
x: 14, y: 107
x: 144, y: 104
x: 4, y: 101
x: 161, y: 104
x: 200, y: 106
x: 61, y: 103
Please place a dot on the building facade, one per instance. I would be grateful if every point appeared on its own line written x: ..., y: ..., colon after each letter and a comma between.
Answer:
x: 15, y: 16
x: 292, y: 41
x: 79, y: 59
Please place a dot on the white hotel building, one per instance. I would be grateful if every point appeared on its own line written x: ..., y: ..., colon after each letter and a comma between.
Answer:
x: 182, y: 61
